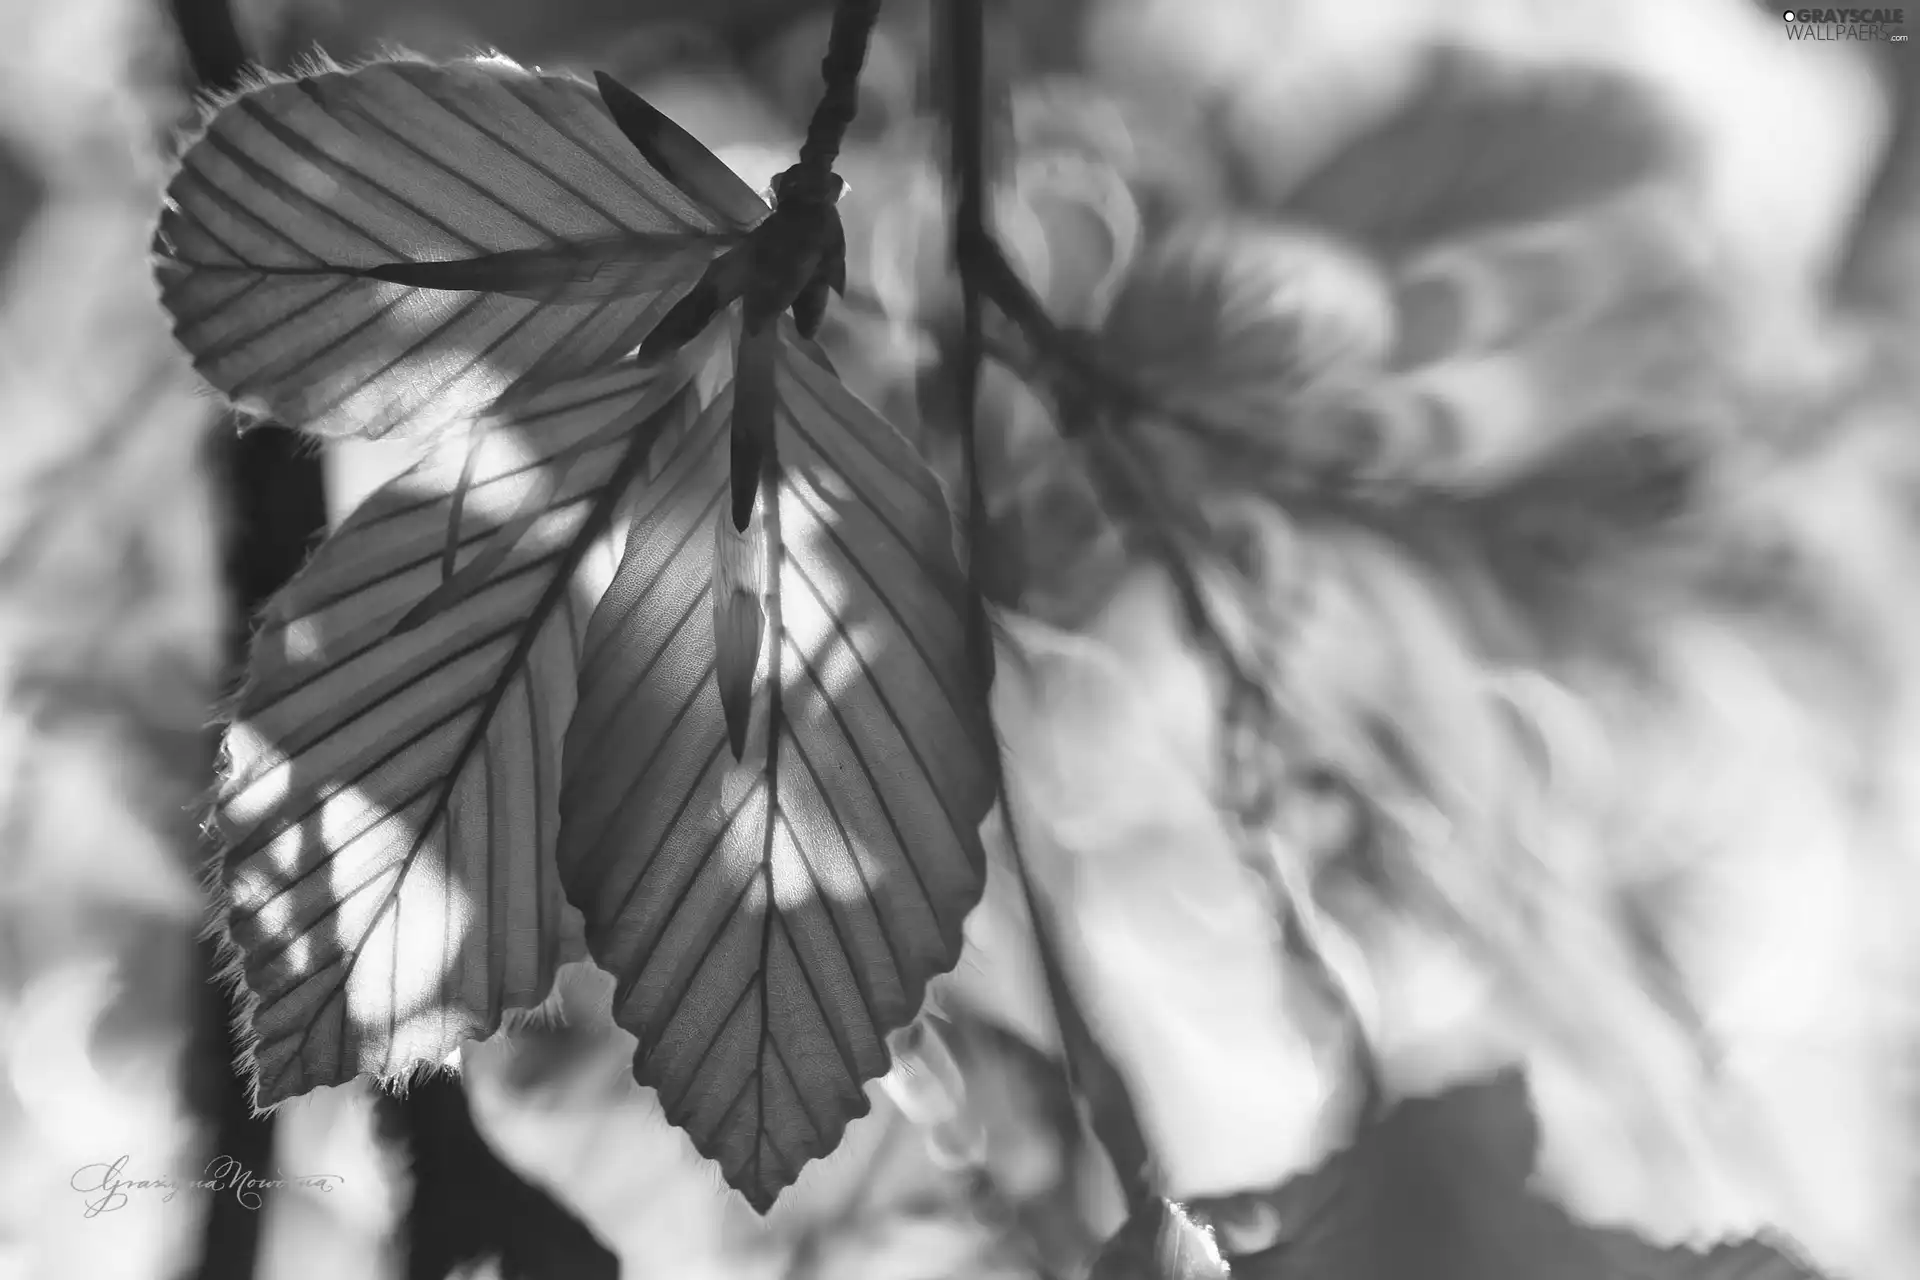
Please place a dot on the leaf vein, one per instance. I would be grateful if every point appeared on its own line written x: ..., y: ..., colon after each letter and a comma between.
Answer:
x: 921, y: 764
x: 344, y: 172
x: 214, y: 353
x: 819, y: 784
x: 698, y: 864
x: 843, y: 1048
x: 345, y: 105
x: 561, y: 125
x: 478, y: 125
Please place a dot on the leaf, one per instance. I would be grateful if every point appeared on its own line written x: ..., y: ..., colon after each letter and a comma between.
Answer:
x: 1236, y: 1069
x: 1439, y: 1187
x: 389, y: 803
x: 589, y: 270
x: 1484, y: 142
x: 1631, y: 1258
x: 770, y: 920
x: 392, y: 249
x: 699, y: 174
x: 456, y: 584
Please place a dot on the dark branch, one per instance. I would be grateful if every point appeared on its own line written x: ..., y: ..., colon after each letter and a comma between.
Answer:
x: 846, y: 54
x: 276, y: 508
x: 1090, y: 1073
x: 967, y: 165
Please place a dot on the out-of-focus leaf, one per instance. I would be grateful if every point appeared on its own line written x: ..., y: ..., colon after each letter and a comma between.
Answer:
x: 1245, y: 325
x: 390, y: 801
x: 393, y: 249
x: 1631, y: 1258
x: 1081, y: 232
x: 1159, y: 1242
x: 1232, y: 1061
x: 770, y: 920
x: 1438, y: 1188
x: 1482, y: 143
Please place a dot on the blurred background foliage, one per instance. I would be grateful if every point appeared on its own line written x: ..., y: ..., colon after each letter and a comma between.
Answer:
x: 1459, y: 252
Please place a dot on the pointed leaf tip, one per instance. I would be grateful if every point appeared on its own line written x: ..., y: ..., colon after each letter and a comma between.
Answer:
x: 739, y: 577
x: 686, y: 320
x: 737, y: 625
x: 389, y: 806
x: 744, y: 474
x: 702, y: 176
x: 772, y: 917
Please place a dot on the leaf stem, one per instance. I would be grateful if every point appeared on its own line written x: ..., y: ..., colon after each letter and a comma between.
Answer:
x: 853, y: 22
x: 967, y: 163
x: 1090, y: 1074
x: 1169, y: 536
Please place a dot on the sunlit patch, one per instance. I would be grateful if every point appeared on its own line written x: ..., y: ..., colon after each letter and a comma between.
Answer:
x: 414, y: 928
x: 300, y: 641
x: 51, y: 1064
x: 830, y: 486
x: 505, y: 453
x: 356, y: 469
x: 1171, y: 942
x: 340, y: 1222
x: 260, y: 777
x: 311, y: 181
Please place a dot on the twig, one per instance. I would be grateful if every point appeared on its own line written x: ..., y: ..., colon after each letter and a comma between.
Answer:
x: 967, y: 163
x: 813, y: 177
x: 1167, y: 533
x: 1170, y: 537
x: 846, y: 54
x: 1096, y: 378
x: 1090, y: 1074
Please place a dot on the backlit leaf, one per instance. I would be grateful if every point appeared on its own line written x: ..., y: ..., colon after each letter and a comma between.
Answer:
x: 390, y: 798
x: 392, y: 249
x: 771, y: 919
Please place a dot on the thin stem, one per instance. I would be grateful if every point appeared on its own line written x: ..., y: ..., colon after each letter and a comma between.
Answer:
x: 967, y: 162
x: 846, y: 54
x: 1090, y: 1074
x: 1078, y: 359
x: 994, y: 276
x: 1171, y: 538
